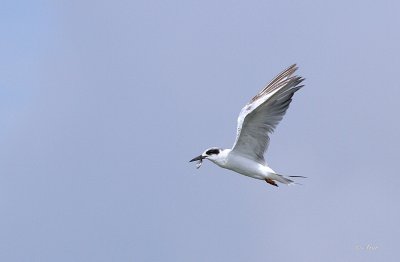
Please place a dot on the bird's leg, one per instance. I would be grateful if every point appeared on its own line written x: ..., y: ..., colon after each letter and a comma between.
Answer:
x: 271, y: 182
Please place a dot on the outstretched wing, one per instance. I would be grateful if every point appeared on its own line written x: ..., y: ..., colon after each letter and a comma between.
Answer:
x: 263, y: 113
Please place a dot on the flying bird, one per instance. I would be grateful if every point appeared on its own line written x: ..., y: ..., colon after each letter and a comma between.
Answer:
x: 256, y: 121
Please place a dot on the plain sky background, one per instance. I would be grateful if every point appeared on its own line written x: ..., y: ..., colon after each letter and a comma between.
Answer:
x: 102, y: 104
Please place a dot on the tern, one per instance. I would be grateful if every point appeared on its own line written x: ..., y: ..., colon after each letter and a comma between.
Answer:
x: 256, y: 121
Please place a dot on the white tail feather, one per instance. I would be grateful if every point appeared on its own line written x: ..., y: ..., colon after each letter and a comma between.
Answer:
x: 283, y: 179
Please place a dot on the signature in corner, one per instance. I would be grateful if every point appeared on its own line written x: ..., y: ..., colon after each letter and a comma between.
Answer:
x: 368, y: 247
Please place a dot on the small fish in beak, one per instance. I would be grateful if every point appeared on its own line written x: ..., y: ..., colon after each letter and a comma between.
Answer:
x: 198, y: 164
x: 199, y: 160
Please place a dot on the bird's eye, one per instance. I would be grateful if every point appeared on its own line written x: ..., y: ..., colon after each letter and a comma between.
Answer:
x: 212, y: 152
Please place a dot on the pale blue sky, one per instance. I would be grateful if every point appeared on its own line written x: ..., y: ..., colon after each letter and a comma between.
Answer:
x: 102, y: 104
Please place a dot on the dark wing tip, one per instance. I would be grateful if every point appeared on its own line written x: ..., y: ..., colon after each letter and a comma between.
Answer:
x: 281, y: 78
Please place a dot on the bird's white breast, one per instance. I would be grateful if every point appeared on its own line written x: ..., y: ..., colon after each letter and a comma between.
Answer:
x: 247, y: 167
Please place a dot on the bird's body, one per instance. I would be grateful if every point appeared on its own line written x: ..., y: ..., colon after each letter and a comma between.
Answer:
x: 231, y: 160
x: 256, y: 121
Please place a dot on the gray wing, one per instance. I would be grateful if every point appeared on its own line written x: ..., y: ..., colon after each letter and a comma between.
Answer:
x: 263, y: 113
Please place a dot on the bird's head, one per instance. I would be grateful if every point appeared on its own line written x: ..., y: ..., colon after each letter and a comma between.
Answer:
x: 212, y: 154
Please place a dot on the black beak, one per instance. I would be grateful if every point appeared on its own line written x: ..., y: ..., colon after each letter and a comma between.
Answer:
x: 200, y: 157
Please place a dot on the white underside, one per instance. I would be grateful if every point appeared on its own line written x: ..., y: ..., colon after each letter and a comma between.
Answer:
x: 245, y: 166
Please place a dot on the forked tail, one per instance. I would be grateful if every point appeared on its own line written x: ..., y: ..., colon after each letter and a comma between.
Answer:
x: 282, y: 179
